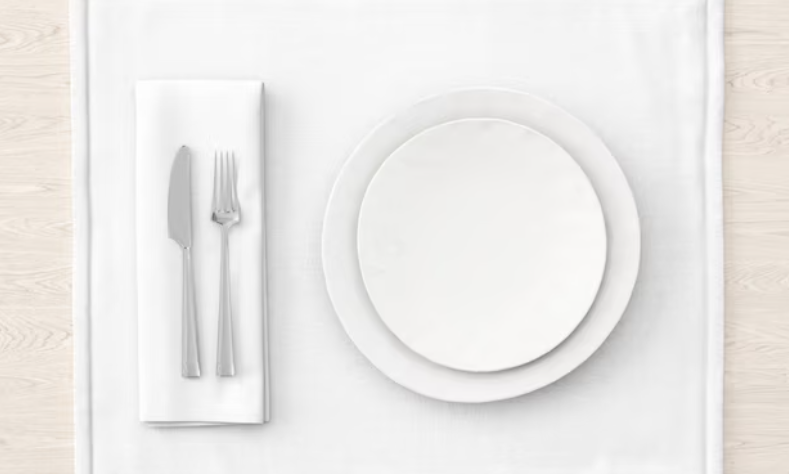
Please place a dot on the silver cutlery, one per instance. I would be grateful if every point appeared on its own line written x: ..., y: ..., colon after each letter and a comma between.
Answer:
x: 226, y: 213
x: 179, y: 212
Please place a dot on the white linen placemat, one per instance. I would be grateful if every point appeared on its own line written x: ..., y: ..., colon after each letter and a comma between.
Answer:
x: 205, y: 116
x: 645, y: 75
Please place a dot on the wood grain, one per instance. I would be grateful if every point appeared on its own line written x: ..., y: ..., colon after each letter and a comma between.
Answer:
x: 35, y: 238
x: 756, y: 187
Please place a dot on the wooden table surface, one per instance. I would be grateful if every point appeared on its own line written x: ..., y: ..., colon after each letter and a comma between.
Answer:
x: 36, y: 228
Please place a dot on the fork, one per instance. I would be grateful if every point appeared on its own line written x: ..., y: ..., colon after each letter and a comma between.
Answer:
x: 226, y: 213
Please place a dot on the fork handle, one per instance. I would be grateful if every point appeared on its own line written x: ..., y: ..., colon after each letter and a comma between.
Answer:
x: 190, y: 356
x: 225, y: 362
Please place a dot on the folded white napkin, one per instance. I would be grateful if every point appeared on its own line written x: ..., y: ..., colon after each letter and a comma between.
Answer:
x: 205, y: 116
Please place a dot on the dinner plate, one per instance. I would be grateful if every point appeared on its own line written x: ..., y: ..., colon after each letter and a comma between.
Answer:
x: 346, y: 287
x: 481, y: 244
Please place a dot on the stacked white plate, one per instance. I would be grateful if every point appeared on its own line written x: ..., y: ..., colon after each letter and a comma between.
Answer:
x: 480, y: 245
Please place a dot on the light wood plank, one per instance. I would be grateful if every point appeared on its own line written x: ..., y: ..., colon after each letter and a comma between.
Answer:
x: 756, y: 187
x: 35, y: 239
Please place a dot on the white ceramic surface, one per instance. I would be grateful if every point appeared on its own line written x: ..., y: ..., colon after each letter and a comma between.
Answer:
x: 482, y: 244
x: 346, y: 287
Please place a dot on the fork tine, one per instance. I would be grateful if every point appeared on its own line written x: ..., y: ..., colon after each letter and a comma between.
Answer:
x: 225, y: 184
x: 214, y: 200
x: 232, y: 178
x: 221, y: 203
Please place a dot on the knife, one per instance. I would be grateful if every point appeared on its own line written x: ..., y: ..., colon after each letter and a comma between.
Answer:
x: 179, y: 217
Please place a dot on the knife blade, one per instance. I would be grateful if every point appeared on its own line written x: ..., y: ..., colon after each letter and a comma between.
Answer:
x: 179, y: 208
x: 179, y: 224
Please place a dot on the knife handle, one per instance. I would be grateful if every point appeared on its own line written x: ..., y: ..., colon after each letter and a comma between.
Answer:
x: 190, y: 357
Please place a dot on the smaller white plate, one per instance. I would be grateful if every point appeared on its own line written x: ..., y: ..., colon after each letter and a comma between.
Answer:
x: 482, y: 244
